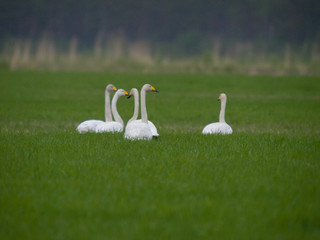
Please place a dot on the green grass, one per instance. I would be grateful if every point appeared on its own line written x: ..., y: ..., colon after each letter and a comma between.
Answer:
x: 262, y: 182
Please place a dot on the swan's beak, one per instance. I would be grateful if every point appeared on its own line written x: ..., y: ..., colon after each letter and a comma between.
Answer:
x: 129, y: 96
x: 154, y: 90
x: 126, y: 93
x: 114, y: 89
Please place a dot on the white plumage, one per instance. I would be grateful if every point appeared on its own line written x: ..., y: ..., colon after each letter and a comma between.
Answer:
x: 152, y: 127
x: 90, y: 125
x: 217, y: 128
x: 141, y: 129
x: 138, y: 130
x: 117, y: 125
x: 220, y: 127
x: 109, y: 127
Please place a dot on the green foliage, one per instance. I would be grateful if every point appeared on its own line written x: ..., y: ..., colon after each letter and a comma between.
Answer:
x: 259, y: 183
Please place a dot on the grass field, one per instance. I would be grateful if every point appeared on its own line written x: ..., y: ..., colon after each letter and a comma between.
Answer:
x: 262, y: 182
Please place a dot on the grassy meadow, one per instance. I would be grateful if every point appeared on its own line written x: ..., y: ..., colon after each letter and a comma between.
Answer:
x: 261, y: 182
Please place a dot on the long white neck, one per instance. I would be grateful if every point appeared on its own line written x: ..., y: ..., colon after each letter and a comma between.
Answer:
x: 222, y: 111
x: 107, y: 109
x: 144, y: 115
x: 136, y: 105
x: 115, y: 113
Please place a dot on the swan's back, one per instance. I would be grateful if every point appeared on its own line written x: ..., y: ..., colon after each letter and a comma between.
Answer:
x: 109, y: 127
x: 153, y: 128
x: 88, y: 126
x: 217, y: 128
x: 138, y: 130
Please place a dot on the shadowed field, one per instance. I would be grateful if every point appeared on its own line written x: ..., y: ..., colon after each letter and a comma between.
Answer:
x: 259, y: 183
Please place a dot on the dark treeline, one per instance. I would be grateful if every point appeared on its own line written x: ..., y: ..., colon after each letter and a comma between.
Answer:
x: 280, y: 21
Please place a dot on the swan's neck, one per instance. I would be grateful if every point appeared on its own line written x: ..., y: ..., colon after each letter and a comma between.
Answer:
x: 144, y: 115
x: 115, y: 113
x: 136, y: 106
x: 107, y: 109
x: 222, y: 111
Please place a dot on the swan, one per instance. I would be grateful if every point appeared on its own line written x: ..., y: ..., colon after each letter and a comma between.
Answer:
x: 117, y: 125
x: 135, y: 94
x: 220, y: 127
x: 142, y: 128
x: 90, y: 125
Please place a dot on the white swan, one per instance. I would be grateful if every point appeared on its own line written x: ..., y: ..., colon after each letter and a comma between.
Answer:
x: 117, y: 125
x: 142, y: 128
x: 220, y: 127
x: 135, y: 94
x: 90, y: 125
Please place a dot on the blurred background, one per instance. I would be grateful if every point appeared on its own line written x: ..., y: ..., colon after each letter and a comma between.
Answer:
x: 210, y: 36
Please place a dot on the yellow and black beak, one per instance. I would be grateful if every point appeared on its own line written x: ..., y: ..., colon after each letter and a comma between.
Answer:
x: 126, y: 93
x: 153, y: 89
x: 114, y: 89
x: 129, y: 96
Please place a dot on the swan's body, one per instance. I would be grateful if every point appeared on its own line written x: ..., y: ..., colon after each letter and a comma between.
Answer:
x: 141, y: 129
x: 90, y: 125
x: 117, y: 125
x: 137, y: 130
x: 217, y: 128
x: 152, y: 127
x: 220, y: 127
x: 109, y: 127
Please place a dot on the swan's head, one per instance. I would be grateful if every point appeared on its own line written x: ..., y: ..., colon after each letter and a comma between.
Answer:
x: 122, y: 92
x: 148, y: 88
x: 133, y: 91
x: 111, y: 88
x: 222, y: 97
